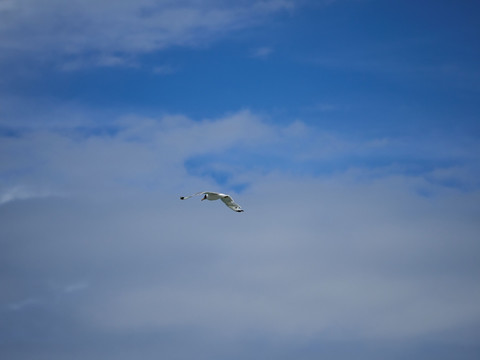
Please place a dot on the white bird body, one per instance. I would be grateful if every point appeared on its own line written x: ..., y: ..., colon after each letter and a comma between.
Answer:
x: 210, y: 195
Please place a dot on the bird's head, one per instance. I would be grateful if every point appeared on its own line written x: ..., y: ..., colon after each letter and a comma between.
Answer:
x: 205, y: 197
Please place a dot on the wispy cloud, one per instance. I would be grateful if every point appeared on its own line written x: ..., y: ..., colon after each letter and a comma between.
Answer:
x: 110, y: 31
x: 324, y: 107
x: 55, y: 296
x: 164, y: 70
x: 262, y: 52
x: 76, y: 287
x: 19, y: 192
x: 98, y: 60
x: 23, y: 304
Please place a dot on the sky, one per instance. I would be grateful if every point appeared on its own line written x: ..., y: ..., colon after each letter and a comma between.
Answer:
x: 348, y: 131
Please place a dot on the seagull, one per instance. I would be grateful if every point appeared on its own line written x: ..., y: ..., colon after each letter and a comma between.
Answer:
x: 209, y: 195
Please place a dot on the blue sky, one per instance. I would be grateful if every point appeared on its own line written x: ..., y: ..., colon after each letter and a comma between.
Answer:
x: 348, y: 130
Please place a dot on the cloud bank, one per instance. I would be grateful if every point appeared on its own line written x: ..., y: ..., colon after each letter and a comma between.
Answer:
x: 366, y: 252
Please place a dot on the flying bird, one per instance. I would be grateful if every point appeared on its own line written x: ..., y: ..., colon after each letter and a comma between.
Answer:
x: 209, y: 195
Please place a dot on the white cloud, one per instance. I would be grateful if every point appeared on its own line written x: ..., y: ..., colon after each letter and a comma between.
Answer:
x: 328, y: 259
x: 309, y: 258
x: 19, y: 192
x: 139, y: 150
x: 107, y: 32
x: 345, y: 255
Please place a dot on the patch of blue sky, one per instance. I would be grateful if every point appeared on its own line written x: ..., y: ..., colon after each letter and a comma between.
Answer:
x: 357, y: 102
x: 9, y: 132
x: 357, y: 56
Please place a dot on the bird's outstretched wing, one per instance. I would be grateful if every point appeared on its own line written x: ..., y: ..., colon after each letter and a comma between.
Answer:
x: 189, y: 196
x: 227, y: 200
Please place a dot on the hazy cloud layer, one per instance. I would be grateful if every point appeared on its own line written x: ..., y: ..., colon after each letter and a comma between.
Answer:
x: 96, y: 246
